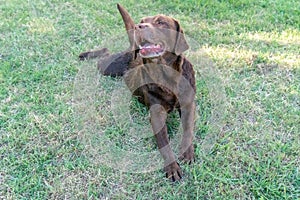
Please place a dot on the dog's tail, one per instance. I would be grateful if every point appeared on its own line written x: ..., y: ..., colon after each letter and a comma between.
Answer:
x: 129, y: 25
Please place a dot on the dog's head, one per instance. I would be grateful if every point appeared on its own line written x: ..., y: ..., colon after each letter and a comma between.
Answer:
x: 154, y: 35
x: 158, y: 34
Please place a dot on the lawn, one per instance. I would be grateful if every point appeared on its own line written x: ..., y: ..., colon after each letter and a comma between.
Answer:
x: 64, y: 136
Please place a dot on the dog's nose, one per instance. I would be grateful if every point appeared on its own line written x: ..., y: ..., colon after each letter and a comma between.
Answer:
x: 142, y: 26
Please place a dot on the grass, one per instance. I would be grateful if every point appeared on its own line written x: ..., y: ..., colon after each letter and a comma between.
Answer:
x: 253, y: 97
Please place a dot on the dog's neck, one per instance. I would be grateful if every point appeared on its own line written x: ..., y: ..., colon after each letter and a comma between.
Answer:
x: 168, y: 59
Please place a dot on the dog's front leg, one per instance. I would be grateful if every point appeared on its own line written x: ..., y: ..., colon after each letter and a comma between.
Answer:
x: 187, y: 120
x: 158, y: 122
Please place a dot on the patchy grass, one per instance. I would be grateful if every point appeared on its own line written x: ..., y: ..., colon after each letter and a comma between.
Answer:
x: 253, y: 123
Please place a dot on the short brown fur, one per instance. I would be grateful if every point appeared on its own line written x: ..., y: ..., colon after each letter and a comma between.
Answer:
x: 163, y: 83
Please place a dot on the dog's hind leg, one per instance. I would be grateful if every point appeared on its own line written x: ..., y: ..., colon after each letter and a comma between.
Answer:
x: 109, y: 64
x: 115, y: 64
x: 94, y: 54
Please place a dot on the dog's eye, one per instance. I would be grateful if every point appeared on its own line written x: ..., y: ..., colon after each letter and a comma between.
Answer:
x: 160, y: 22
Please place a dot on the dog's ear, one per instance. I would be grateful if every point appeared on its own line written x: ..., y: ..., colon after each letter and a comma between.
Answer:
x: 129, y: 24
x: 181, y: 44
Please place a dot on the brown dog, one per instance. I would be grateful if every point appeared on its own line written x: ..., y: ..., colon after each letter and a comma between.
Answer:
x: 160, y: 76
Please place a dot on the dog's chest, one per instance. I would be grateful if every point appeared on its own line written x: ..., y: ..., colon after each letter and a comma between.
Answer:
x: 154, y: 84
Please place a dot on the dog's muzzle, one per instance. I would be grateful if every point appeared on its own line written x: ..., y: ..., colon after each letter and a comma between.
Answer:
x: 150, y: 50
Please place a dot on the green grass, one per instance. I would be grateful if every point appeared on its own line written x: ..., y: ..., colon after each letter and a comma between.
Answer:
x: 250, y: 110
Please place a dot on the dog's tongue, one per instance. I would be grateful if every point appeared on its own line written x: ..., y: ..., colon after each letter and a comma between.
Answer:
x: 149, y: 50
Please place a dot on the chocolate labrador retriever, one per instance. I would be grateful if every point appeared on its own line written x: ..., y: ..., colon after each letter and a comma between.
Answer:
x: 157, y: 73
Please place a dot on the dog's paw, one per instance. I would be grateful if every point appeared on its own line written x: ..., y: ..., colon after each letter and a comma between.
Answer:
x: 173, y: 172
x: 84, y: 55
x: 188, y: 156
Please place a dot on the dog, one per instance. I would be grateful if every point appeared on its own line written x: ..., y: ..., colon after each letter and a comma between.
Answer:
x: 157, y: 73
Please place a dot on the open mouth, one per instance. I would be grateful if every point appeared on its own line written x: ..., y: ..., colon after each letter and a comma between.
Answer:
x: 150, y: 50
